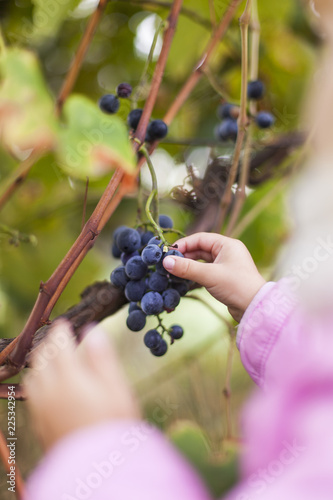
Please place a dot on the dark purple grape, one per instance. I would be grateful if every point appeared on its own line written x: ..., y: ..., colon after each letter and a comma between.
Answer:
x: 228, y: 129
x: 116, y: 253
x: 255, y: 90
x: 161, y: 349
x: 182, y: 287
x: 136, y: 268
x: 171, y: 299
x: 152, y: 339
x: 165, y: 222
x: 151, y: 254
x: 156, y: 130
x: 176, y: 332
x: 158, y: 283
x: 124, y: 90
x: 118, y: 277
x: 133, y: 306
x: 125, y: 257
x: 135, y: 290
x: 264, y: 119
x: 145, y: 237
x: 134, y: 117
x: 152, y: 303
x: 128, y: 240
x: 109, y: 103
x: 136, y: 321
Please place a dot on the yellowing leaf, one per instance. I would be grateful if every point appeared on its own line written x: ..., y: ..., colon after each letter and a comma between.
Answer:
x: 92, y: 143
x: 26, y: 108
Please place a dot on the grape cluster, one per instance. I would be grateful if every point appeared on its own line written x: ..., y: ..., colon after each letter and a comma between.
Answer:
x: 229, y: 113
x: 109, y: 103
x: 148, y: 287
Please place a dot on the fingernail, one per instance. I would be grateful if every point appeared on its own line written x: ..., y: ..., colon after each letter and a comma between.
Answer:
x: 169, y: 263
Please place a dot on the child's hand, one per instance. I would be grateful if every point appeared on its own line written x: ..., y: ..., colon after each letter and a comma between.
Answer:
x: 68, y: 387
x: 230, y: 274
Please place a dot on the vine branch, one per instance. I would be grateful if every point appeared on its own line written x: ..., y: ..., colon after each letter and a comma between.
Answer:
x: 202, y: 63
x: 245, y: 165
x: 244, y: 22
x: 72, y: 74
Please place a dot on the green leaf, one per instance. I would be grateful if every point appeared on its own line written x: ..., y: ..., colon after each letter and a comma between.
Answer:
x: 92, y: 143
x: 48, y: 16
x: 219, y: 475
x: 26, y: 107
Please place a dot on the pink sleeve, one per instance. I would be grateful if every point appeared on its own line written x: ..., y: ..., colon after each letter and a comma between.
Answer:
x: 287, y: 428
x: 115, y: 461
x: 259, y: 332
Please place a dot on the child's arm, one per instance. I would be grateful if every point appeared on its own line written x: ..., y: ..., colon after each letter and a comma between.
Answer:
x: 229, y: 273
x: 88, y: 421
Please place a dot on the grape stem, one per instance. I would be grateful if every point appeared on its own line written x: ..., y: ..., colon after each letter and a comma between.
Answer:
x: 151, y: 219
x: 139, y: 90
x: 150, y: 165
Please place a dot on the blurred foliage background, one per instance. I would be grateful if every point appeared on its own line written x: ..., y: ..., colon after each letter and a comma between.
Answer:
x: 187, y: 385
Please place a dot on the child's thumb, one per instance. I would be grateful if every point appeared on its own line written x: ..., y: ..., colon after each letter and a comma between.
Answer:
x: 187, y: 268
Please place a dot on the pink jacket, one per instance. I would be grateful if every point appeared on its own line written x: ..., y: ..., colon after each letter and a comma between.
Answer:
x: 288, y: 425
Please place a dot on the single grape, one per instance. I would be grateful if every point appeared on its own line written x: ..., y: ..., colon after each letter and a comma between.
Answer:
x: 182, y: 287
x: 160, y: 269
x: 152, y: 339
x: 157, y: 282
x: 161, y: 349
x: 118, y: 277
x: 228, y: 110
x: 264, y: 119
x: 156, y: 130
x: 136, y: 268
x: 151, y: 254
x: 145, y: 237
x: 152, y: 303
x: 155, y: 241
x: 135, y: 290
x: 176, y: 332
x: 109, y: 103
x: 124, y: 90
x: 255, y: 90
x: 171, y: 299
x: 165, y: 222
x: 128, y: 240
x: 115, y: 251
x: 173, y: 251
x: 136, y: 320
x: 125, y: 257
x: 228, y: 129
x: 133, y: 118
x: 133, y: 306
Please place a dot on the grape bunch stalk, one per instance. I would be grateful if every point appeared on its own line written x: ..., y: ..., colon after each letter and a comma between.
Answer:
x: 147, y: 285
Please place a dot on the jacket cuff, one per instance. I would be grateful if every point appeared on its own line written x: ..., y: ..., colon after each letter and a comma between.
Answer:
x: 261, y: 325
x: 116, y: 459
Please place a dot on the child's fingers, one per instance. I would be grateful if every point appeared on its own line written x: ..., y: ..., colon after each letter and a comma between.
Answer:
x: 100, y: 356
x: 207, y: 242
x: 56, y: 351
x: 191, y: 270
x: 199, y: 255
